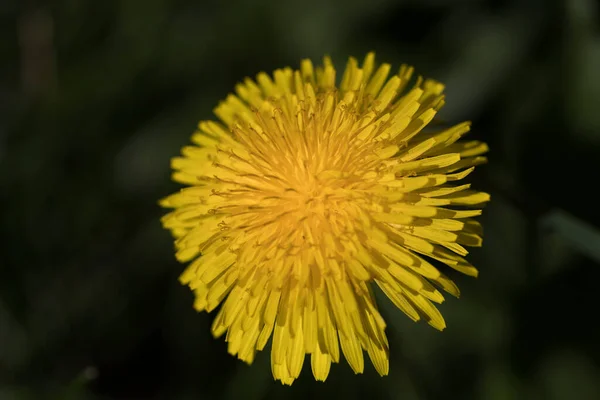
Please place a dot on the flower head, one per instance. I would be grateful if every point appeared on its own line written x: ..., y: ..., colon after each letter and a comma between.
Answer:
x: 305, y: 196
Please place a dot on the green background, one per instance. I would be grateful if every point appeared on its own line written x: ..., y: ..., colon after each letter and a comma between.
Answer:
x: 96, y: 96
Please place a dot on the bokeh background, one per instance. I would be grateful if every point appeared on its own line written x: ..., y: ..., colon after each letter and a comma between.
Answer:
x: 96, y: 96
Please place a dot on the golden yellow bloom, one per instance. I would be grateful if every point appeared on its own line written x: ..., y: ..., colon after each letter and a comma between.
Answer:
x: 305, y: 194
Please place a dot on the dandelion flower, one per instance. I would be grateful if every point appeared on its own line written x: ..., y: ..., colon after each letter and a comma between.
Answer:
x: 306, y: 196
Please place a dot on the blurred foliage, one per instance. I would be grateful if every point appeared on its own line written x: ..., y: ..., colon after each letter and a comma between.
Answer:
x: 96, y: 96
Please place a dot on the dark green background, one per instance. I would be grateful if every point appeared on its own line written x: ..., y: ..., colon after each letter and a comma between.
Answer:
x: 96, y: 96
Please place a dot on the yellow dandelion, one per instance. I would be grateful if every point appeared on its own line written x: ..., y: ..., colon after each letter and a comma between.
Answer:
x: 305, y: 196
